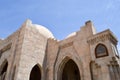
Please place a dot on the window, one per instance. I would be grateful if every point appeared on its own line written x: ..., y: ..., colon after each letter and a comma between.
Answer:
x: 101, y: 51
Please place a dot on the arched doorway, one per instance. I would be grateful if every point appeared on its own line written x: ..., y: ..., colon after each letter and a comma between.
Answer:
x: 70, y: 71
x: 35, y: 73
x: 3, y: 70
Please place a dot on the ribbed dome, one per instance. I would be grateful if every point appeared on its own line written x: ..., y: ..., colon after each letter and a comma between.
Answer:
x: 43, y: 30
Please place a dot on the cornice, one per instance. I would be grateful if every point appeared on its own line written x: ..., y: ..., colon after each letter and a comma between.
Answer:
x: 102, y: 36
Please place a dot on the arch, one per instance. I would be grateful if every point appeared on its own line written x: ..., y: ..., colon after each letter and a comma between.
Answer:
x: 35, y: 73
x: 3, y: 70
x: 101, y: 50
x: 95, y: 71
x: 68, y: 70
x: 91, y: 69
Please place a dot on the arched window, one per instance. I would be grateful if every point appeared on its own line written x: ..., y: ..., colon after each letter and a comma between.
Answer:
x: 101, y: 51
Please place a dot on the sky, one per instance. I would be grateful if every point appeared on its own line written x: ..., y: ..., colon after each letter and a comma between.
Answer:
x: 61, y: 17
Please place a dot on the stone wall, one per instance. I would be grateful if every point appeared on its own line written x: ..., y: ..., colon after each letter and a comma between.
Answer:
x: 28, y: 47
x: 32, y: 53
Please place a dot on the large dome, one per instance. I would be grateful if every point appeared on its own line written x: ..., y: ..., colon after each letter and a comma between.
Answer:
x: 43, y: 30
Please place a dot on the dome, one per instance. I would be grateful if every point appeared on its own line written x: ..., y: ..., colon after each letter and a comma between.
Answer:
x: 43, y: 30
x: 72, y: 34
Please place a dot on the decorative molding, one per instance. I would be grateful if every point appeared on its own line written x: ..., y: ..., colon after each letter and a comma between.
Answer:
x: 114, y: 61
x: 103, y: 36
x: 66, y: 45
x: 98, y: 38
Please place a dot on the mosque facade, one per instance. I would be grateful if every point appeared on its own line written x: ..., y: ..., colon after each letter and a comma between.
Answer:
x: 33, y: 53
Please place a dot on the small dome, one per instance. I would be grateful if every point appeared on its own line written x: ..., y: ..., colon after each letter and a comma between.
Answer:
x: 43, y: 30
x: 72, y: 34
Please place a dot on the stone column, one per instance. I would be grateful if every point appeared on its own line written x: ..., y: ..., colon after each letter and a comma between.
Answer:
x: 111, y: 72
x: 116, y: 72
x: 118, y: 69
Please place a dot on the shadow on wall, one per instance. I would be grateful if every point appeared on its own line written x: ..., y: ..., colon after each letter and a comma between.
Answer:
x: 3, y: 70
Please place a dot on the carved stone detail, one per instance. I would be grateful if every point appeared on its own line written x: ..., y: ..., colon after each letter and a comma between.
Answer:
x: 106, y: 35
x: 114, y: 69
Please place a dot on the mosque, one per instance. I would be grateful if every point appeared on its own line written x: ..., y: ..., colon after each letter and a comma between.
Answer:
x: 33, y: 53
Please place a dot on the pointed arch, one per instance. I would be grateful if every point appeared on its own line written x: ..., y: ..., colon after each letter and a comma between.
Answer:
x: 101, y: 50
x: 68, y: 69
x: 3, y: 69
x: 35, y: 73
x: 95, y: 71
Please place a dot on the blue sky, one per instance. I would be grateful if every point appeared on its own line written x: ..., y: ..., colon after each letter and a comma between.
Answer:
x: 62, y: 17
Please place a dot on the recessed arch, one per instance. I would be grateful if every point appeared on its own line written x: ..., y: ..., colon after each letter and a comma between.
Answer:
x: 95, y: 70
x: 68, y: 70
x: 3, y: 69
x: 35, y: 73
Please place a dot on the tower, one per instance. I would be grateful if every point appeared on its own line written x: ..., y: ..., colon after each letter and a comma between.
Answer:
x: 104, y: 63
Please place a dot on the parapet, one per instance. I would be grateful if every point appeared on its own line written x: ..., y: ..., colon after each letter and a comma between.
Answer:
x: 88, y: 29
x: 102, y: 36
x: 91, y: 25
